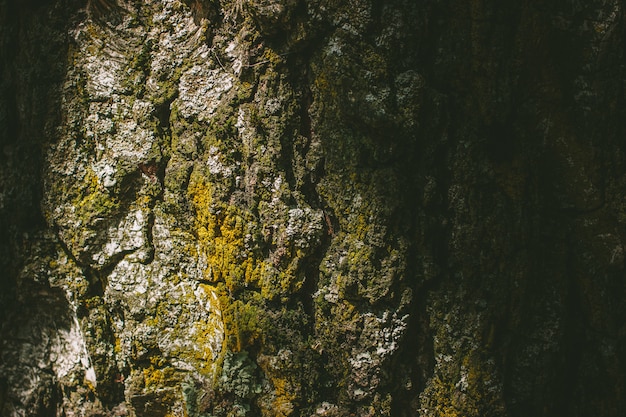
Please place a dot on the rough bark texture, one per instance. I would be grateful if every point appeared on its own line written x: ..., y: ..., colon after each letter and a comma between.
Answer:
x: 312, y: 208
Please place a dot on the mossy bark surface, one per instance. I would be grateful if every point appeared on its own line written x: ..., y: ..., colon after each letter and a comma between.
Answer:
x: 312, y: 208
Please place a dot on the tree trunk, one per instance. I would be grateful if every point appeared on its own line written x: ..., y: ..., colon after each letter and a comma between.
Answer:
x: 312, y: 208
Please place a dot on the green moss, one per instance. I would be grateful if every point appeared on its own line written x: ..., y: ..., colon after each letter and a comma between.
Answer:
x: 244, y: 324
x: 97, y: 204
x: 91, y: 201
x: 137, y: 70
x: 288, y: 363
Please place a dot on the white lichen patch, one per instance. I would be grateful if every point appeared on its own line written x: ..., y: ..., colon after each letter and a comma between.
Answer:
x: 129, y: 235
x: 305, y: 227
x: 165, y: 306
x: 105, y: 172
x: 103, y: 60
x: 127, y: 277
x: 247, y: 133
x: 215, y: 165
x: 236, y: 56
x: 133, y: 141
x: 103, y: 75
x: 69, y: 351
x: 276, y: 187
x: 202, y: 91
x: 177, y: 39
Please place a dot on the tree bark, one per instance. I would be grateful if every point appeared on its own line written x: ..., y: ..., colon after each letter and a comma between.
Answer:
x: 312, y: 208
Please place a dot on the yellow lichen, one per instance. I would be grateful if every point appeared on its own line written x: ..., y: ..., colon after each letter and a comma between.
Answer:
x: 152, y: 377
x: 223, y: 229
x: 285, y: 394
